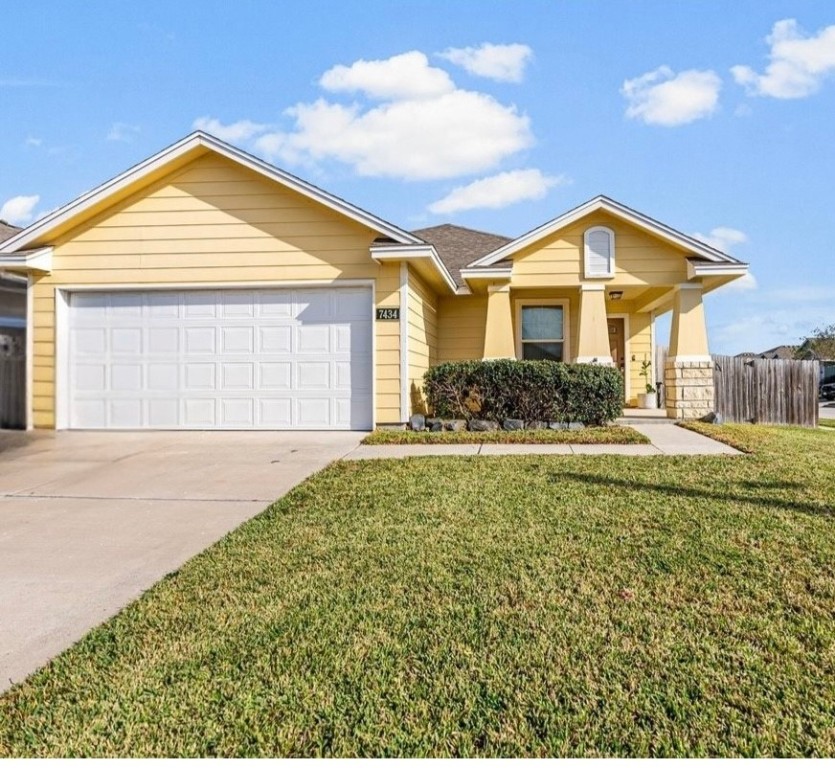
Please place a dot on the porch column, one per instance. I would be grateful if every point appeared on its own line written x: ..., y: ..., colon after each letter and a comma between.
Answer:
x: 498, y: 332
x: 593, y: 333
x: 688, y: 371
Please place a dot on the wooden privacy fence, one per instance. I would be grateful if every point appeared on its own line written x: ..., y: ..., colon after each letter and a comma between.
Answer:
x: 12, y: 380
x: 757, y: 391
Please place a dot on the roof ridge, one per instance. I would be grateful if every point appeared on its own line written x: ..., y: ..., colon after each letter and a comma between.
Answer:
x: 468, y: 229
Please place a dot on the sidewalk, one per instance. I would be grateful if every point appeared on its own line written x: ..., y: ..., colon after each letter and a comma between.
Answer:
x: 666, y: 440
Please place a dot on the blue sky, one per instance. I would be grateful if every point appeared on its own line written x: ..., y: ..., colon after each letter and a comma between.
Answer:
x: 716, y: 118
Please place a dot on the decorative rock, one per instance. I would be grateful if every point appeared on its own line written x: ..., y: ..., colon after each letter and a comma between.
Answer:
x: 483, y: 425
x: 576, y: 425
x: 513, y: 425
x: 537, y: 425
x: 558, y: 425
x: 455, y: 425
x: 417, y: 422
x: 437, y: 426
x: 712, y: 418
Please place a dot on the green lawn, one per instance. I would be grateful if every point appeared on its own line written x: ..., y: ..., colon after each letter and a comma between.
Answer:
x: 827, y: 423
x: 530, y: 605
x: 586, y: 436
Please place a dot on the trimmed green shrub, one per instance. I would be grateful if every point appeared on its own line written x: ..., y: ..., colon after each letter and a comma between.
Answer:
x: 533, y: 390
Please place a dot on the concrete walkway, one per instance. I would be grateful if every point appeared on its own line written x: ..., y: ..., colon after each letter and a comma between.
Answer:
x: 666, y: 440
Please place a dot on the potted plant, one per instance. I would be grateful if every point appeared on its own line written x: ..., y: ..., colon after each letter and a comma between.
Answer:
x: 647, y: 399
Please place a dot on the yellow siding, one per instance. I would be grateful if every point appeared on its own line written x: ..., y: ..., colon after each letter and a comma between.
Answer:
x: 214, y: 221
x: 461, y: 324
x: 640, y: 258
x: 423, y: 337
x: 639, y: 347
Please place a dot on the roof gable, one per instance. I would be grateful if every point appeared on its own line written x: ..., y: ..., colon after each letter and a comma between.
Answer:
x: 169, y: 159
x: 616, y: 209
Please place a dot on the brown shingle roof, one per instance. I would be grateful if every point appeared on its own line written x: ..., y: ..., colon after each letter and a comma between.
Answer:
x: 7, y: 230
x: 458, y: 246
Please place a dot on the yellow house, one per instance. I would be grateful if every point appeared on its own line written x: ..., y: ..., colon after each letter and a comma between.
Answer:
x: 207, y: 289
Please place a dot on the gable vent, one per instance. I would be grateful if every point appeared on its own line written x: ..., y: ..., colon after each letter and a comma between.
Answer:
x: 599, y: 252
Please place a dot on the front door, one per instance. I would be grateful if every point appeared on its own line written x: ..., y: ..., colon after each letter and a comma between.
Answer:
x: 616, y: 342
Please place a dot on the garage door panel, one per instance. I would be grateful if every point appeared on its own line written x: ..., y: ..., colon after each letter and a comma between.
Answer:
x: 200, y: 340
x: 213, y: 359
x: 313, y: 340
x: 126, y: 413
x: 313, y: 412
x: 277, y: 375
x: 164, y: 341
x: 126, y: 341
x: 275, y: 340
x: 125, y: 377
x: 199, y: 412
x: 200, y: 376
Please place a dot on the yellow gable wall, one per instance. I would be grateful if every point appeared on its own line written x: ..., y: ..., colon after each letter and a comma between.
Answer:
x: 640, y: 258
x: 214, y: 222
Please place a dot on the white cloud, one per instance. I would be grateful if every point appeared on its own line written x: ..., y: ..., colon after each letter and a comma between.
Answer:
x: 722, y: 238
x: 122, y: 132
x: 421, y: 127
x: 505, y: 63
x: 662, y: 97
x: 798, y: 64
x: 498, y: 191
x: 405, y: 76
x: 19, y: 210
x: 237, y: 132
x: 33, y: 141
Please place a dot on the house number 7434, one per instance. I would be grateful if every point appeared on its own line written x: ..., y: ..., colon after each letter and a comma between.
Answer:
x: 388, y: 313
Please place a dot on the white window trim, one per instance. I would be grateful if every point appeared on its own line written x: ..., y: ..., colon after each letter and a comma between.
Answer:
x: 566, y: 328
x: 588, y: 274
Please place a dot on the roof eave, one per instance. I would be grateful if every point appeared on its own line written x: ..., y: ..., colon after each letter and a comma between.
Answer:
x: 38, y: 261
x: 417, y: 253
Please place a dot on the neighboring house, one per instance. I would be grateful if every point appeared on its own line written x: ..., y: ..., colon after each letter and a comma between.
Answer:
x: 783, y: 352
x: 12, y: 290
x: 206, y: 289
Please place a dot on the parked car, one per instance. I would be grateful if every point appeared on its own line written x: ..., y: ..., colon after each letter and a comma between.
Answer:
x: 827, y: 391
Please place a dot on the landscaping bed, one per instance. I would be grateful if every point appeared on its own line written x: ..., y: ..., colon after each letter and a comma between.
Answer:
x: 505, y: 606
x: 615, y: 435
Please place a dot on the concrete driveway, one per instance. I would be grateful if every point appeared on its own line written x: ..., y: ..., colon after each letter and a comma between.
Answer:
x: 89, y: 520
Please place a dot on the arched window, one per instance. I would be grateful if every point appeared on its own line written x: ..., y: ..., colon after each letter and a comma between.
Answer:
x: 599, y: 247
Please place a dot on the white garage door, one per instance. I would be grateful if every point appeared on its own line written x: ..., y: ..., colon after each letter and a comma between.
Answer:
x: 226, y: 359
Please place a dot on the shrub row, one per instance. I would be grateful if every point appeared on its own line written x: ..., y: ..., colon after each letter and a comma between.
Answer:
x: 531, y: 390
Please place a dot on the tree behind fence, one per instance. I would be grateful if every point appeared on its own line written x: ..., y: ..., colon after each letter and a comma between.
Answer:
x: 760, y: 391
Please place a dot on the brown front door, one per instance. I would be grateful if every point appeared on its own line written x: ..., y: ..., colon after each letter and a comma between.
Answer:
x: 616, y: 342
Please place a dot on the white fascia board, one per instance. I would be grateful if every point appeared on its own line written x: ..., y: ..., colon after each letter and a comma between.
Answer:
x: 487, y: 274
x: 602, y: 203
x: 381, y: 253
x: 193, y: 141
x: 29, y: 261
x: 716, y: 270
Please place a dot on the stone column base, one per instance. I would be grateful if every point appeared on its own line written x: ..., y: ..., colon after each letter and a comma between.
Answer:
x: 688, y: 388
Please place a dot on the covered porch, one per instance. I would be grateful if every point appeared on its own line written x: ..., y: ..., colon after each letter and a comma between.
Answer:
x: 608, y: 324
